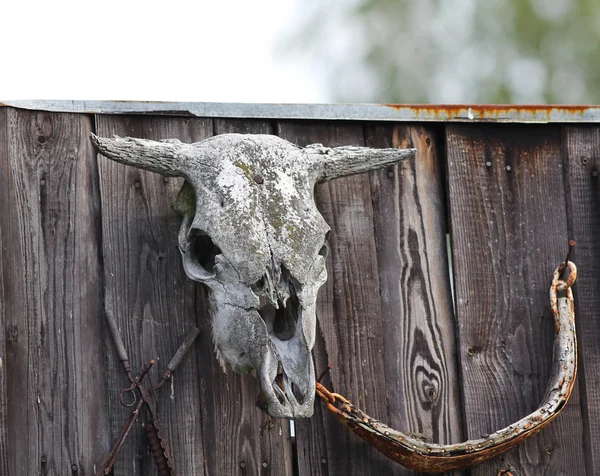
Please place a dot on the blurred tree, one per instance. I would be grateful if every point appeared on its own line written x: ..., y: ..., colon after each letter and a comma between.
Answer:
x: 455, y: 51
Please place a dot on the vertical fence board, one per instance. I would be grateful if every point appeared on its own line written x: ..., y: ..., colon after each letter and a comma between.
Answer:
x: 148, y: 293
x: 349, y: 312
x: 214, y: 426
x: 583, y: 164
x: 4, y: 196
x: 52, y: 280
x: 372, y: 267
x: 244, y: 435
x: 421, y: 372
x: 509, y: 232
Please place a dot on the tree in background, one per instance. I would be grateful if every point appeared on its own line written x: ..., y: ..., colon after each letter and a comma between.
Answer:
x: 455, y: 51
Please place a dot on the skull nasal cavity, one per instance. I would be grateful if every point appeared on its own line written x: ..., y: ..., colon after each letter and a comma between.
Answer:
x: 284, y: 325
x: 281, y: 321
x: 205, y: 251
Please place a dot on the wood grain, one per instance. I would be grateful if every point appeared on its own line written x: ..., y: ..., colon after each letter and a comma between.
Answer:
x: 52, y: 295
x: 421, y: 370
x: 509, y: 232
x: 349, y: 313
x: 3, y: 369
x: 582, y: 148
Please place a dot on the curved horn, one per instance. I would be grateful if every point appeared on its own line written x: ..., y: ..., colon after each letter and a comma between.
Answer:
x: 333, y: 162
x: 166, y: 158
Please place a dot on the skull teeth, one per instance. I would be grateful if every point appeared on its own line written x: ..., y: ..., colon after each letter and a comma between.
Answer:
x: 285, y: 389
x: 278, y: 384
x: 279, y: 388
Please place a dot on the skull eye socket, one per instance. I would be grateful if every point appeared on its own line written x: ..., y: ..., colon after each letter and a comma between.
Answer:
x: 204, y: 251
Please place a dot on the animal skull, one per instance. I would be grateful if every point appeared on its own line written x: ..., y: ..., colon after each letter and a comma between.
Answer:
x: 252, y: 233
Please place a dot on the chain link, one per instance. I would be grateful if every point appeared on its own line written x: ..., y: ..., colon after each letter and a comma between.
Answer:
x: 562, y: 285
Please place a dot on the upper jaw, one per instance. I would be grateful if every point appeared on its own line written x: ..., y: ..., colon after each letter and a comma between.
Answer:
x: 287, y: 373
x: 281, y: 391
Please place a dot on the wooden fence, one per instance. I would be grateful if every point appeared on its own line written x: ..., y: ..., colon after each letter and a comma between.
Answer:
x: 81, y: 236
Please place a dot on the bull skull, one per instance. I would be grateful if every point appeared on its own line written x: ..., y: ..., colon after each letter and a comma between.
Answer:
x: 252, y: 233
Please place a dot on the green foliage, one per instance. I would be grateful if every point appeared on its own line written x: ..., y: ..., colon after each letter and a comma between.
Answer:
x: 467, y: 51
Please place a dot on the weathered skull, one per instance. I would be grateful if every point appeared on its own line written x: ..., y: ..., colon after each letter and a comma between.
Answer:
x: 252, y: 233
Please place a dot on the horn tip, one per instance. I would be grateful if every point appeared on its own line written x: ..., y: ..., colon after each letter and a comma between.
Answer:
x: 103, y: 141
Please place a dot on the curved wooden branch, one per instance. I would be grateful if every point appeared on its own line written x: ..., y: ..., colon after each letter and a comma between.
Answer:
x: 429, y: 457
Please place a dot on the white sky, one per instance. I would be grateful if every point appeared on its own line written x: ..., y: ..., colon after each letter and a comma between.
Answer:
x: 216, y: 50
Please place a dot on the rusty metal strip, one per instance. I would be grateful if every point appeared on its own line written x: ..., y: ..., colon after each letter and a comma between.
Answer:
x: 355, y: 112
x: 430, y: 457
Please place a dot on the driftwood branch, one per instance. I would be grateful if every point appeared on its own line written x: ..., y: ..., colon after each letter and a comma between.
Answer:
x: 422, y: 456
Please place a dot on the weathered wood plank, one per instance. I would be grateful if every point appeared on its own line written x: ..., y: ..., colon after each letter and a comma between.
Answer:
x: 509, y: 232
x: 583, y: 162
x: 243, y: 126
x: 4, y: 173
x: 52, y: 295
x: 421, y: 371
x: 244, y: 442
x: 349, y: 314
x: 214, y: 426
x: 148, y: 293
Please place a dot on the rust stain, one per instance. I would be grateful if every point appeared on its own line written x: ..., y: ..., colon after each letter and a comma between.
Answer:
x: 493, y: 112
x: 499, y: 113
